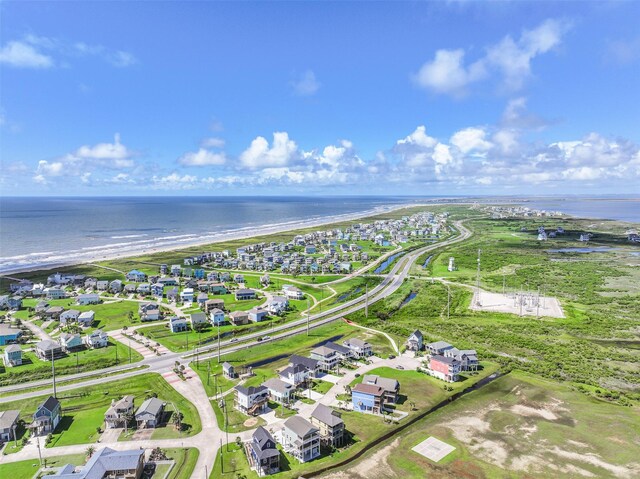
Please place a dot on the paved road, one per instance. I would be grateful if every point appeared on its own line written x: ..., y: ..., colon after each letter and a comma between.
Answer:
x: 209, y: 439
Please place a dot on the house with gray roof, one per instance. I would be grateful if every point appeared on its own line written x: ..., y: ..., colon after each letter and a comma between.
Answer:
x: 118, y: 412
x: 439, y: 347
x: 468, y: 358
x: 328, y: 359
x: 12, y: 355
x: 229, y: 371
x: 279, y: 391
x: 415, y: 341
x: 264, y: 457
x: 86, y: 318
x: 243, y: 294
x: 330, y: 425
x: 9, y: 335
x: 46, y: 417
x: 300, y: 438
x: 70, y: 342
x: 391, y: 386
x: 251, y: 400
x: 8, y: 424
x: 358, y: 347
x: 342, y: 351
x: 149, y: 414
x: 313, y: 365
x: 106, y: 463
x: 48, y: 349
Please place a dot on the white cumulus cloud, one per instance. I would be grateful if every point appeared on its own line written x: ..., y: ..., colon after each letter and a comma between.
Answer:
x: 202, y: 157
x: 261, y: 155
x: 24, y: 55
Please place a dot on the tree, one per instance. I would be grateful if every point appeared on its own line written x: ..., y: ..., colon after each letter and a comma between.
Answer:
x: 90, y: 451
x: 177, y: 420
x: 130, y: 316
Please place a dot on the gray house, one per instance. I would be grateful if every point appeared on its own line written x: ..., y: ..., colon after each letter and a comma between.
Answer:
x: 414, y: 342
x: 264, y: 457
x: 8, y: 424
x: 301, y: 439
x: 149, y: 414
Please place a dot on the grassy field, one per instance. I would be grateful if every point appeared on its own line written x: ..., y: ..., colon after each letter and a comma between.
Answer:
x: 83, y: 410
x: 595, y: 346
x: 517, y: 426
x: 28, y: 469
x: 33, y: 369
x: 185, y: 462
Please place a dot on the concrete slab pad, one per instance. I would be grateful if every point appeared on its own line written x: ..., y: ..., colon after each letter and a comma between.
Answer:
x: 433, y: 449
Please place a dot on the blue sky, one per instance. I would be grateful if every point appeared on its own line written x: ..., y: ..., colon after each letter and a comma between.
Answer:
x: 142, y: 98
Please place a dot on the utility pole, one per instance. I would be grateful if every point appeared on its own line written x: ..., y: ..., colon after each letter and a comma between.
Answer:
x: 218, y: 343
x: 448, y: 302
x: 215, y: 378
x: 366, y: 300
x: 208, y: 371
x: 53, y: 375
x: 221, y: 458
x: 307, y: 317
x: 478, y: 280
x: 116, y: 353
x: 77, y: 363
x: 129, y: 350
x: 38, y: 444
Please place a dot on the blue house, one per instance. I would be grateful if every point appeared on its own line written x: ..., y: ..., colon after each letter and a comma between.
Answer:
x: 367, y: 398
x: 199, y: 273
x: 157, y: 289
x: 137, y: 276
x: 47, y: 416
x: 14, y: 302
x: 217, y: 317
x: 8, y: 335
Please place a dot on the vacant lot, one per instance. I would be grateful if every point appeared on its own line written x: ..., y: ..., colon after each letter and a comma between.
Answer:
x: 517, y: 426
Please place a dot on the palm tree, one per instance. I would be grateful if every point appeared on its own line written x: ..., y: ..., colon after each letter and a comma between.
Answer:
x: 90, y: 451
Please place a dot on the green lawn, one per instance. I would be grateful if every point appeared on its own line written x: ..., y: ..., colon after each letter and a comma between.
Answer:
x: 185, y: 462
x: 27, y: 469
x: 83, y: 410
x: 33, y: 369
x: 233, y: 418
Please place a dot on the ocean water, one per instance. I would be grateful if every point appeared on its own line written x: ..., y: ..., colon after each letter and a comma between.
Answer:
x: 49, y: 231
x: 611, y: 208
x: 46, y: 232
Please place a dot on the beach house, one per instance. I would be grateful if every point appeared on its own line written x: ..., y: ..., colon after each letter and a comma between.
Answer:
x: 367, y: 398
x: 264, y: 457
x: 279, y: 391
x: 115, y: 286
x: 415, y: 341
x: 445, y: 368
x: 96, y: 339
x: 217, y: 317
x: 468, y: 358
x: 88, y: 298
x: 329, y: 424
x: 149, y: 414
x: 9, y: 335
x: 228, y: 371
x: 186, y: 295
x: 439, y: 347
x: 358, y: 347
x: 119, y: 412
x: 47, y: 416
x: 48, y: 349
x: 239, y: 317
x: 251, y: 400
x: 69, y: 316
x: 12, y: 355
x: 178, y: 325
x: 106, y: 463
x: 257, y: 314
x: 390, y: 386
x: 278, y: 305
x: 198, y: 318
x: 86, y: 318
x: 136, y: 276
x: 300, y: 438
x: 8, y: 425
x: 328, y: 359
x: 149, y: 311
x: 70, y: 342
x: 244, y: 294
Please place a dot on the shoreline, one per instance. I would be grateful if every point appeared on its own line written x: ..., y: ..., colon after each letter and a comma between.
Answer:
x: 231, y: 235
